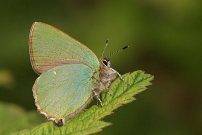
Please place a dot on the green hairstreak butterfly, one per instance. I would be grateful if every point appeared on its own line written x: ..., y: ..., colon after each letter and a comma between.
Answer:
x: 70, y: 73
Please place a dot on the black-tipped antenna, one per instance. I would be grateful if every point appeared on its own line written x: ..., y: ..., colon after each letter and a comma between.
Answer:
x: 106, y: 44
x: 118, y: 51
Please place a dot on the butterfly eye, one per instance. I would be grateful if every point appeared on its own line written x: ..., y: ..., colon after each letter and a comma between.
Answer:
x: 105, y: 62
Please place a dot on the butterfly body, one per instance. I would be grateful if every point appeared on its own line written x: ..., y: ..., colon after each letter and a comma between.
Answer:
x: 107, y: 75
x: 70, y: 73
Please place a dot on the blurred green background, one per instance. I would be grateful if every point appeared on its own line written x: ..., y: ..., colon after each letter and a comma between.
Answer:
x: 166, y: 40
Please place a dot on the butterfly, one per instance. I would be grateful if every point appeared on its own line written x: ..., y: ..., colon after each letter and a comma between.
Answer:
x: 70, y: 73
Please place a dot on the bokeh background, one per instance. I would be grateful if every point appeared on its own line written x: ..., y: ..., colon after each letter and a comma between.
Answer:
x: 165, y: 38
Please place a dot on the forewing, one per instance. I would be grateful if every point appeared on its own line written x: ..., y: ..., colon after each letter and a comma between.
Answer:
x: 63, y: 91
x: 49, y: 47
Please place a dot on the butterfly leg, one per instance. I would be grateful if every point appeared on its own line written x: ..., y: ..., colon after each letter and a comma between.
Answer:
x: 99, y: 101
x: 121, y: 77
x: 117, y: 74
x: 109, y: 92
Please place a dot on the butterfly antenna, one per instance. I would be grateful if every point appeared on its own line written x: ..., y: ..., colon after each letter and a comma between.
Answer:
x: 106, y: 44
x: 118, y: 51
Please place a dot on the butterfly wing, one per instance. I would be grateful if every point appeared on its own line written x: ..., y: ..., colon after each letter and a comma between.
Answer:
x: 49, y: 47
x: 63, y: 91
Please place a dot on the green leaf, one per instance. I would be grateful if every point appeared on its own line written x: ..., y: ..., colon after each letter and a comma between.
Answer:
x: 90, y: 120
